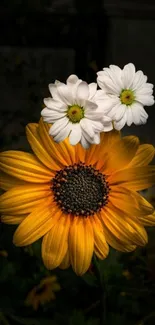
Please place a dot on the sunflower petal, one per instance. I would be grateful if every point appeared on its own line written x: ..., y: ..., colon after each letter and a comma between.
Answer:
x: 13, y: 220
x: 136, y: 179
x: 65, y: 262
x: 55, y: 243
x: 95, y: 152
x: 117, y: 243
x: 101, y: 247
x: 121, y: 152
x: 123, y: 227
x: 37, y: 224
x: 38, y: 148
x: 23, y: 199
x: 148, y: 220
x: 143, y: 157
x: 81, y: 244
x: 24, y: 166
x: 80, y: 153
x: 63, y: 153
x: 7, y: 181
x: 129, y: 201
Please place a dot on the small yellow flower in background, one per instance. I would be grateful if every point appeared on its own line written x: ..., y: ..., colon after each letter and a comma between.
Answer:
x: 127, y: 274
x: 43, y: 292
x: 3, y: 253
x: 80, y: 201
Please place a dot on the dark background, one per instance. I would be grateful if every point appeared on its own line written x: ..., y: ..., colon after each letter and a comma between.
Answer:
x: 44, y: 40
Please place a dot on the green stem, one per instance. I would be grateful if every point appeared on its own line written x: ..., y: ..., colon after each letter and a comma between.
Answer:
x: 103, y: 298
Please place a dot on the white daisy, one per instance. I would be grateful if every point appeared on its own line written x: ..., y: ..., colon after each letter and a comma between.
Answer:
x: 74, y: 112
x: 125, y: 92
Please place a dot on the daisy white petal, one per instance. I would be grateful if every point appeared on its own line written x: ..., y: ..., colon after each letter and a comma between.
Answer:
x: 90, y: 106
x: 94, y: 115
x: 108, y: 126
x: 82, y: 91
x: 92, y: 89
x: 109, y: 85
x: 129, y: 116
x: 54, y: 104
x: 120, y: 112
x: 143, y: 112
x: 118, y: 125
x: 115, y: 111
x: 145, y: 99
x: 64, y: 94
x: 87, y: 127
x: 98, y: 126
x: 128, y: 75
x: 53, y: 90
x: 144, y: 91
x: 94, y: 140
x: 138, y: 113
x: 58, y: 125
x: 54, y: 116
x: 75, y: 135
x: 115, y: 73
x: 85, y: 144
x: 110, y: 78
x: 64, y: 132
x: 100, y: 94
x: 72, y: 80
x: 115, y: 69
x: 108, y: 103
x: 87, y: 137
x: 97, y: 138
x: 139, y: 80
x: 146, y: 88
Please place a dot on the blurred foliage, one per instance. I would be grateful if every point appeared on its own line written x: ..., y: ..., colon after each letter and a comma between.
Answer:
x: 129, y: 281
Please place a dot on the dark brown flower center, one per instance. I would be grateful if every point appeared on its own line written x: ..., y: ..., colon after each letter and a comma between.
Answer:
x: 80, y: 190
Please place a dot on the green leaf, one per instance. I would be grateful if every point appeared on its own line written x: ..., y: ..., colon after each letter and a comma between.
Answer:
x: 7, y: 270
x: 78, y: 318
x: 117, y: 319
x: 111, y: 267
x: 90, y: 279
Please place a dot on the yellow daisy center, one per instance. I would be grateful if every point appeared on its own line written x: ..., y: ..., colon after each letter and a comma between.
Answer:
x: 127, y: 96
x: 80, y: 190
x: 75, y: 113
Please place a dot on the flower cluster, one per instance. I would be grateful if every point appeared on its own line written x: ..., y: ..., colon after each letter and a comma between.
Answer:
x: 81, y: 201
x: 81, y: 112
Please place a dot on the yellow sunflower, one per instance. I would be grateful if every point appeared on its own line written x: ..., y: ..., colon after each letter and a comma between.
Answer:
x: 80, y: 201
x: 43, y: 292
